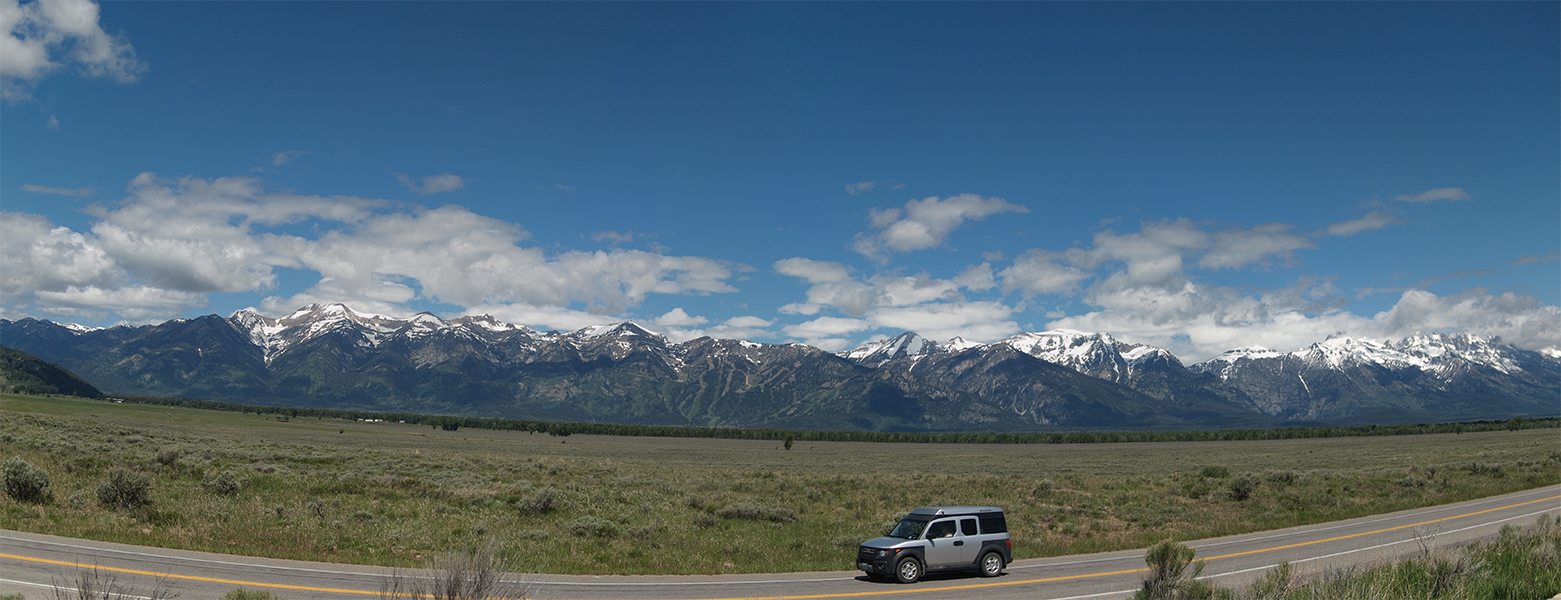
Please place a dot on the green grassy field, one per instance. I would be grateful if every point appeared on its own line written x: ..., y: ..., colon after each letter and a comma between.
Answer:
x: 388, y: 494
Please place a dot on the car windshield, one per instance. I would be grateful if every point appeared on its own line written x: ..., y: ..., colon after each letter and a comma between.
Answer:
x: 909, y: 529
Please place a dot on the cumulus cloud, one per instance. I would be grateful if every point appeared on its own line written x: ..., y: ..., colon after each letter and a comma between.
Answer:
x: 825, y: 332
x: 800, y: 308
x: 678, y: 318
x: 37, y: 256
x: 133, y: 304
x: 1040, y: 271
x: 1375, y: 220
x: 1234, y: 248
x: 432, y: 184
x: 832, y: 286
x: 545, y: 318
x: 813, y: 271
x: 43, y: 189
x: 1446, y: 193
x: 927, y: 222
x: 189, y: 237
x: 976, y: 277
x: 41, y: 37
x: 1199, y: 321
x: 678, y: 326
x: 977, y: 321
x: 933, y: 307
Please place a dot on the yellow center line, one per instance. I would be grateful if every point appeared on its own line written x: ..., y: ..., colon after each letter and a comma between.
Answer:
x: 284, y: 586
x: 1108, y: 574
x: 1355, y: 535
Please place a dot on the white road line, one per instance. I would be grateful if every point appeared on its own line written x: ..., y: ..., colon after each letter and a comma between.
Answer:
x: 1378, y: 546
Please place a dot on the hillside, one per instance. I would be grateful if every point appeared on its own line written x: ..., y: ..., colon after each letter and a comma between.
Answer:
x: 23, y: 373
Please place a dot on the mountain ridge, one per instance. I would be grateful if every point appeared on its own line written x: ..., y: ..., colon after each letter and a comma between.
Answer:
x: 329, y: 354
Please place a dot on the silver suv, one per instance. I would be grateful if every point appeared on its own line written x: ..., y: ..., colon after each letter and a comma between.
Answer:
x: 938, y: 538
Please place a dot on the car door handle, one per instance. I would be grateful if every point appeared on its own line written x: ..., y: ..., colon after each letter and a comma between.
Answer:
x: 959, y: 543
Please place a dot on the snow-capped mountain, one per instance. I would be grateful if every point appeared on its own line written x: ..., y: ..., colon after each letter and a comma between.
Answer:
x: 276, y: 336
x: 331, y: 355
x: 1455, y: 374
x: 1093, y: 354
x: 908, y: 344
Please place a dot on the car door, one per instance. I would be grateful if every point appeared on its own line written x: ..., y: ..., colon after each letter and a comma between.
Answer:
x: 943, y: 543
x: 968, y: 540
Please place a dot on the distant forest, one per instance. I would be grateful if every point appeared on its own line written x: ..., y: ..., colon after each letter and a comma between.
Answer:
x: 556, y: 428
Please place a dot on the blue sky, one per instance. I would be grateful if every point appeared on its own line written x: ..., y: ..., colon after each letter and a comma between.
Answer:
x: 1198, y: 176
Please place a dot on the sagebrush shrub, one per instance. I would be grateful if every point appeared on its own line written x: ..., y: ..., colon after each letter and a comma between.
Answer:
x: 1215, y: 472
x: 1169, y: 576
x: 25, y: 482
x: 168, y: 456
x: 124, y: 489
x: 538, y: 503
x: 1242, y: 487
x: 222, y: 484
x: 592, y: 527
x: 1043, y: 489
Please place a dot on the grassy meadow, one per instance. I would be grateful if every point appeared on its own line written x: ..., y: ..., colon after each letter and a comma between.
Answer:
x: 391, y: 494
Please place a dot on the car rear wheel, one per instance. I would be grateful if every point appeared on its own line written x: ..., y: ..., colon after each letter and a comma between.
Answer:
x: 908, y: 570
x: 991, y: 564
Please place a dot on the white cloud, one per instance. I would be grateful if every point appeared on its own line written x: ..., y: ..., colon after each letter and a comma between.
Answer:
x: 1535, y: 258
x: 134, y: 304
x: 976, y: 277
x: 1040, y: 271
x: 43, y: 189
x: 927, y: 222
x: 38, y: 35
x: 800, y: 308
x: 285, y: 156
x: 860, y: 187
x: 542, y: 317
x: 432, y: 184
x: 678, y: 318
x: 824, y: 332
x: 37, y: 256
x: 813, y: 270
x: 1519, y: 319
x: 197, y: 236
x: 1374, y: 220
x: 613, y: 237
x: 856, y: 298
x: 681, y: 328
x: 1197, y: 322
x: 1234, y: 248
x: 1446, y: 193
x: 974, y: 321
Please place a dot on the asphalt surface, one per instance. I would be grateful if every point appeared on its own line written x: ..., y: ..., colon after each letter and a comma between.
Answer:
x: 35, y: 565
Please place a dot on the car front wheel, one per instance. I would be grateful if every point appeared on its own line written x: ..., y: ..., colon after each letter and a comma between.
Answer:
x: 991, y: 564
x: 908, y: 570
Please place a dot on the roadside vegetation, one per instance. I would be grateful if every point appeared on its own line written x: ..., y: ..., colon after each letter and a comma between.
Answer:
x: 1521, y: 563
x: 401, y: 495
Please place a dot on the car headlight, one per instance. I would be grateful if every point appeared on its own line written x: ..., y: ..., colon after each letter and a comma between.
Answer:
x: 882, y: 553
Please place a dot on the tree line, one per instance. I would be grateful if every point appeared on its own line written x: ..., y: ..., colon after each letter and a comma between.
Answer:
x: 562, y: 428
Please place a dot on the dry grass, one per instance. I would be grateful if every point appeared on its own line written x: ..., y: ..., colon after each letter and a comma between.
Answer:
x: 401, y: 495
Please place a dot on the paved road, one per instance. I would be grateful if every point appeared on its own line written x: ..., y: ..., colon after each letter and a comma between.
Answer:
x: 31, y: 564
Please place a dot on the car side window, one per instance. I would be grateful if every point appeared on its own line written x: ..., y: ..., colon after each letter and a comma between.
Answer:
x: 967, y: 526
x: 940, y: 529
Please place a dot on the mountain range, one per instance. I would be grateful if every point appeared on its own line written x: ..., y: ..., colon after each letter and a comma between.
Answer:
x: 327, y: 355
